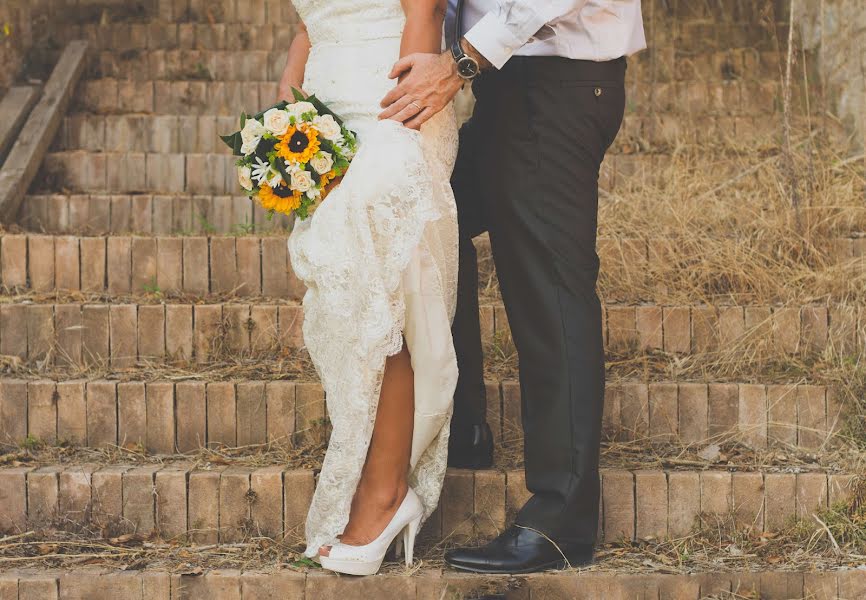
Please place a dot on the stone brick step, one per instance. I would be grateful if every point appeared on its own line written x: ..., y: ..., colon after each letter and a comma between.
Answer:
x: 216, y: 174
x: 218, y: 504
x: 173, y: 94
x: 146, y: 214
x: 170, y: 51
x: 243, y: 266
x: 159, y: 35
x: 167, y: 417
x: 174, y: 134
x: 85, y: 12
x: 124, y: 334
x: 191, y: 65
x: 748, y: 55
x: 219, y: 98
x: 89, y: 583
x: 124, y: 264
x: 137, y: 172
x: 261, y: 61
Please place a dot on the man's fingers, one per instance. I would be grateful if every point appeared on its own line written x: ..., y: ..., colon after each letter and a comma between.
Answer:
x: 409, y: 110
x: 408, y: 113
x: 397, y: 107
x: 395, y: 94
x: 421, y: 118
x: 401, y: 66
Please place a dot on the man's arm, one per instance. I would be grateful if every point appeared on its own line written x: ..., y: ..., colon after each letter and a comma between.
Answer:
x: 431, y: 81
x: 503, y: 31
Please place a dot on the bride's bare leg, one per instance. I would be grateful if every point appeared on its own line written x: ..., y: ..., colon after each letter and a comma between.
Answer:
x: 383, y: 483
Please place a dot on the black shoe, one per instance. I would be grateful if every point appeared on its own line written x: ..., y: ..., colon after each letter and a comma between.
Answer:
x: 519, y: 550
x: 471, y: 448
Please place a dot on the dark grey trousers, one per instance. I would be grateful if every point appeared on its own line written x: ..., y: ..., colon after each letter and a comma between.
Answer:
x: 527, y: 172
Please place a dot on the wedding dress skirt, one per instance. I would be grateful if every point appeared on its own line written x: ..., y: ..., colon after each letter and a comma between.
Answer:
x: 379, y: 258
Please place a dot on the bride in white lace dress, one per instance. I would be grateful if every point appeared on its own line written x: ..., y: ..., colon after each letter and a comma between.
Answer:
x: 379, y: 258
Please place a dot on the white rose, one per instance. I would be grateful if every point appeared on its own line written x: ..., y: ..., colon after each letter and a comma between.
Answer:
x: 302, y: 181
x: 253, y: 130
x: 277, y: 121
x: 245, y: 178
x: 248, y: 148
x: 322, y: 162
x: 328, y: 127
x: 299, y: 108
x: 251, y: 135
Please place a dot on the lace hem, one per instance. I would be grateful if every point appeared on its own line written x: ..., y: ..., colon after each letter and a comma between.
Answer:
x: 352, y: 254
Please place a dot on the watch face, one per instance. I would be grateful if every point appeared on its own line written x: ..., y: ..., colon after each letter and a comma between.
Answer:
x: 467, y: 67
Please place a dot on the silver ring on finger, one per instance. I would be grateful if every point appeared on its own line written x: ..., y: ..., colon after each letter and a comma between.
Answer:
x: 416, y: 105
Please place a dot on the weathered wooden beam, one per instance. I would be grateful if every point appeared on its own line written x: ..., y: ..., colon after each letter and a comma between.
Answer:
x: 23, y: 161
x: 14, y: 108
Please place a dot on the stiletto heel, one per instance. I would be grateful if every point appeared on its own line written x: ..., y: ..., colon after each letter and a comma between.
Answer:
x: 409, y: 539
x: 366, y: 560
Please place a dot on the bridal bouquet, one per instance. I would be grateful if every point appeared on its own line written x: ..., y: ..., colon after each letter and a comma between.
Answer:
x: 291, y: 155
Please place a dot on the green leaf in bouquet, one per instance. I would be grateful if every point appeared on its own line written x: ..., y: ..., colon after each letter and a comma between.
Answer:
x: 324, y: 110
x: 265, y: 147
x: 234, y: 142
x: 281, y: 167
x: 298, y: 95
x: 281, y: 105
x: 243, y: 120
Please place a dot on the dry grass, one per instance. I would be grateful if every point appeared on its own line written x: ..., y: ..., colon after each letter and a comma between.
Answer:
x: 725, y: 544
x: 734, y: 237
x: 307, y: 450
x: 724, y: 231
x: 715, y: 544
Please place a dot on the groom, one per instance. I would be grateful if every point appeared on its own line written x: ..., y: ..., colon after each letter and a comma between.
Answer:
x: 549, y: 83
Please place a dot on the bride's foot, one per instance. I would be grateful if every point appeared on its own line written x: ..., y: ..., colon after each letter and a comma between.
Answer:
x: 373, y: 507
x: 366, y: 559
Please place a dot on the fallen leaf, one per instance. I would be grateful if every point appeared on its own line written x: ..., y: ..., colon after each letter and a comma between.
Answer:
x: 711, y: 453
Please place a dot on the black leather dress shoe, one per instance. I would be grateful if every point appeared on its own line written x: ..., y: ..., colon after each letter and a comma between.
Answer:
x: 471, y: 448
x: 519, y: 550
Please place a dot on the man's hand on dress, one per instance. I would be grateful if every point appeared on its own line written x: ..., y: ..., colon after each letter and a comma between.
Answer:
x: 428, y: 82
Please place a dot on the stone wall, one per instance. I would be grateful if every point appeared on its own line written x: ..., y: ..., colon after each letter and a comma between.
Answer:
x: 15, y: 38
x: 837, y: 30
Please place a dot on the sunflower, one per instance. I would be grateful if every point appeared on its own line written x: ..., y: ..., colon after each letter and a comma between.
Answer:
x: 280, y: 199
x: 299, y: 144
x: 328, y: 182
x: 326, y: 178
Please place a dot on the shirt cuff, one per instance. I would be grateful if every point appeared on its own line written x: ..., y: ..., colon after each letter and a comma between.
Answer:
x: 493, y: 40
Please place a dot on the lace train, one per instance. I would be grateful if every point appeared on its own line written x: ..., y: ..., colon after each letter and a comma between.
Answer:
x: 363, y: 254
x: 379, y: 258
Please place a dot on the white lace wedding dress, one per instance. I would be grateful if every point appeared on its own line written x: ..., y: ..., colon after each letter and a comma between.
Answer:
x: 379, y: 258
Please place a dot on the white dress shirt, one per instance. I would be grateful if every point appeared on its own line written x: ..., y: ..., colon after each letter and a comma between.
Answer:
x: 596, y: 30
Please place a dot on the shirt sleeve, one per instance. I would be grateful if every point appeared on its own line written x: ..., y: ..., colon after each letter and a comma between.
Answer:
x: 509, y: 26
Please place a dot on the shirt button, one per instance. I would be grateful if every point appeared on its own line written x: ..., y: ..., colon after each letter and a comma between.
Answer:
x: 597, y: 92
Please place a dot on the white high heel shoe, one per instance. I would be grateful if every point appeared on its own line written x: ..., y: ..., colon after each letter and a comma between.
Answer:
x: 366, y: 560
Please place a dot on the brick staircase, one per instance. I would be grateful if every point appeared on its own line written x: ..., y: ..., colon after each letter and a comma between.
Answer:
x: 153, y: 368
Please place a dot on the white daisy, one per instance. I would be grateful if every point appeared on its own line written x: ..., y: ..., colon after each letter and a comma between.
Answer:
x: 262, y: 171
x: 276, y: 180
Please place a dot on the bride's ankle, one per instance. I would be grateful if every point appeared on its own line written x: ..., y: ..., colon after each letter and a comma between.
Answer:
x: 385, y: 496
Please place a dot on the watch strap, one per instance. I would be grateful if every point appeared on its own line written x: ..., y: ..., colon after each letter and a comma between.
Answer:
x: 453, y: 22
x: 457, y: 50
